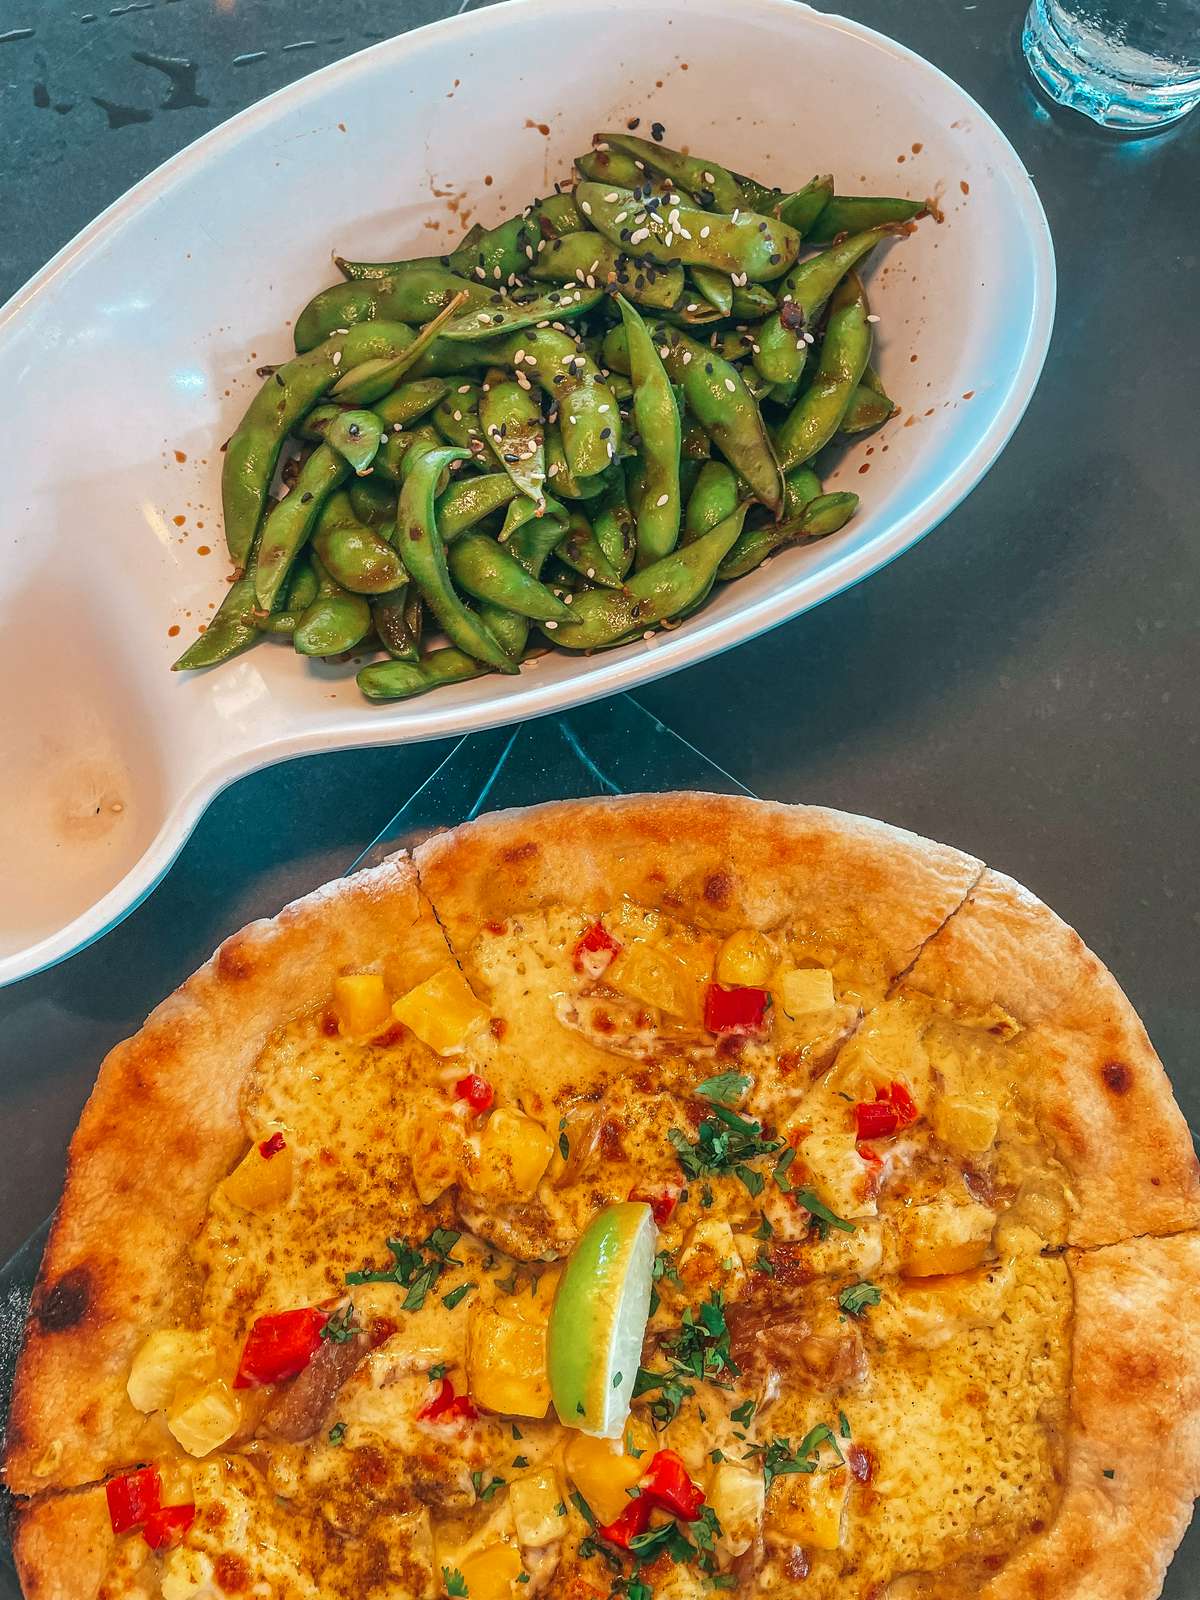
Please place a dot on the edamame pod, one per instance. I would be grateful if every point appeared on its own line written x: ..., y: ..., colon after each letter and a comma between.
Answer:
x: 291, y: 520
x: 816, y: 417
x: 656, y: 417
x: 742, y: 244
x: 411, y: 296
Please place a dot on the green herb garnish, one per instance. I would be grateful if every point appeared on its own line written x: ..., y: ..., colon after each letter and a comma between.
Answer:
x: 456, y: 1296
x: 456, y: 1584
x: 856, y: 1297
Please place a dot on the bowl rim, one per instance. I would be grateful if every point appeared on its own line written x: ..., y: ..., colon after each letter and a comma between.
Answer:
x: 528, y: 698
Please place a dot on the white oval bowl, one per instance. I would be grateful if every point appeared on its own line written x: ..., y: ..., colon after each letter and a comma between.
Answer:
x: 140, y: 340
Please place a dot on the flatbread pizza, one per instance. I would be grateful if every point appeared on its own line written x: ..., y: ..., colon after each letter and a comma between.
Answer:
x: 657, y: 1197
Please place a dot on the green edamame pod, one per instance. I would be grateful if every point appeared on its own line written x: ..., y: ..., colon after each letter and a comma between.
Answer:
x: 718, y: 398
x: 335, y: 622
x: 469, y: 500
x: 713, y: 185
x: 800, y: 486
x: 557, y: 304
x: 512, y: 425
x: 400, y: 680
x: 355, y: 270
x: 391, y: 618
x: 615, y: 527
x: 373, y: 500
x: 868, y: 408
x: 712, y: 500
x: 302, y: 585
x: 559, y: 476
x: 411, y: 296
x: 389, y: 463
x: 592, y: 260
x: 253, y: 452
x: 354, y: 555
x: 232, y: 629
x: 816, y: 417
x: 603, y: 164
x: 456, y: 418
x: 656, y: 417
x: 743, y: 243
x: 408, y: 402
x: 716, y: 287
x: 497, y: 255
x: 580, y: 550
x: 852, y: 213
x: 356, y: 436
x: 372, y: 379
x: 602, y: 617
x: 801, y: 209
x: 290, y: 521
x: 752, y: 301
x: 783, y: 340
x: 555, y: 215
x: 423, y: 553
x: 823, y: 515
x: 487, y: 571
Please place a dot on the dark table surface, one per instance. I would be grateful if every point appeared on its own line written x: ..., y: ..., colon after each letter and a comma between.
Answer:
x: 1022, y: 683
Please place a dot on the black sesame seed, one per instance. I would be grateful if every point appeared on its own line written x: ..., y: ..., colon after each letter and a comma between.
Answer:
x: 305, y: 497
x: 708, y: 367
x: 606, y: 433
x: 776, y: 259
x: 633, y: 123
x: 657, y: 131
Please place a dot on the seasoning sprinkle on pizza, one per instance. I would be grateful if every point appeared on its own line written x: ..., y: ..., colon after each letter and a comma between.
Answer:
x: 660, y: 1197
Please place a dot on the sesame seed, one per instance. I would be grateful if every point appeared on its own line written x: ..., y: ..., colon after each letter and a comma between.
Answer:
x: 709, y: 177
x: 620, y: 217
x: 638, y: 235
x: 705, y: 231
x: 736, y: 214
x: 692, y: 306
x: 585, y: 208
x: 612, y: 195
x: 337, y: 358
x: 687, y: 356
x: 664, y: 351
x: 730, y: 385
x: 872, y: 318
x: 662, y: 500
x: 551, y: 625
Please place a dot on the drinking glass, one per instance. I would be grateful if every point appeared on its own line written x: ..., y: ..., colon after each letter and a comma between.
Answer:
x: 1124, y: 63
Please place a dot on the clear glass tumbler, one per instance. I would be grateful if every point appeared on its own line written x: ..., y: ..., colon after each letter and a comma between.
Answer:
x: 1124, y: 63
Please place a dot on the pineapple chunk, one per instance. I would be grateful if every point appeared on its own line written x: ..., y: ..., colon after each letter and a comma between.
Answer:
x: 361, y: 1004
x: 437, y: 1149
x: 736, y: 1495
x: 968, y: 1127
x: 533, y: 1307
x: 204, y: 1418
x: 603, y: 1470
x: 260, y: 1183
x: 514, y: 1151
x: 804, y: 991
x: 807, y: 1508
x: 534, y: 1499
x: 442, y: 1011
x: 506, y: 1364
x: 941, y: 1238
x: 658, y: 977
x: 745, y: 960
x: 168, y: 1358
x: 492, y: 1574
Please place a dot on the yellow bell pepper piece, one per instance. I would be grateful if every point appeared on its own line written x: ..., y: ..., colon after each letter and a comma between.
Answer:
x: 261, y: 1183
x: 492, y: 1574
x: 603, y: 1470
x: 361, y: 1004
x: 941, y: 1238
x: 442, y: 1012
x: 514, y: 1152
x: 659, y: 977
x: 807, y: 1508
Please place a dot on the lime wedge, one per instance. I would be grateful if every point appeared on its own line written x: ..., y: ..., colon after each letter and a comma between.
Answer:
x: 599, y: 1319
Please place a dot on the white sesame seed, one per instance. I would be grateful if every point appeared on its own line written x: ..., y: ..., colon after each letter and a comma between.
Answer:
x: 664, y: 351
x: 649, y: 633
x: 590, y: 573
x: 736, y: 214
x: 551, y: 625
x: 603, y: 408
x: 520, y: 356
x: 705, y: 231
x: 668, y: 237
x: 553, y: 468
x: 683, y: 233
x: 585, y: 208
x: 523, y: 381
x: 569, y: 599
x: 337, y: 358
x: 496, y: 273
x: 662, y: 500
x: 480, y: 273
x: 872, y: 318
x: 687, y: 356
x: 693, y: 306
x: 730, y: 385
x: 611, y: 196
x: 620, y: 217
x: 708, y: 177
x: 341, y: 330
x: 591, y: 282
x: 457, y: 416
x: 638, y: 235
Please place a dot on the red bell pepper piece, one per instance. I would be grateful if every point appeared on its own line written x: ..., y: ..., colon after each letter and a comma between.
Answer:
x: 446, y: 1406
x: 734, y: 1010
x: 624, y: 1529
x: 661, y: 1202
x: 667, y: 1485
x: 595, y: 950
x: 132, y: 1498
x: 165, y: 1527
x: 279, y: 1346
x: 870, y: 1155
x: 476, y: 1091
x: 892, y: 1109
x: 272, y: 1146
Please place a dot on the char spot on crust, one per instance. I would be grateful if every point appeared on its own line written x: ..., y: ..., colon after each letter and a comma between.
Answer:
x: 718, y: 890
x: 65, y: 1303
x: 233, y: 961
x: 520, y: 852
x: 1117, y: 1077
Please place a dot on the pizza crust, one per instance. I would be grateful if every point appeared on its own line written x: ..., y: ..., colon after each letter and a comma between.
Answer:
x: 1135, y: 1412
x: 721, y: 861
x: 163, y: 1126
x: 43, y: 1529
x: 1104, y: 1100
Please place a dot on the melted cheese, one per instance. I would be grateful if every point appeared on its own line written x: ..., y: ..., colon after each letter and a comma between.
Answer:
x: 951, y: 1388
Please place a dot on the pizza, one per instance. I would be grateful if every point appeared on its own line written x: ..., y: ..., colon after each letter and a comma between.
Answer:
x: 919, y: 1221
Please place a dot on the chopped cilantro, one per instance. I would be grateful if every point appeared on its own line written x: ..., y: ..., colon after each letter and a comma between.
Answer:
x: 843, y: 1425
x: 700, y: 1350
x: 485, y: 1491
x: 584, y: 1510
x: 763, y: 1263
x: 437, y: 1372
x: 1109, y: 1472
x: 664, y: 1267
x: 564, y: 1147
x: 856, y: 1297
x: 764, y: 1229
x: 630, y: 1448
x: 520, y: 1461
x: 337, y: 1433
x: 456, y: 1296
x: 516, y: 1432
x: 417, y: 1268
x: 617, y: 1379
x: 822, y: 1218
x: 716, y: 1456
x: 726, y: 1089
x: 779, y: 1459
x: 456, y: 1584
x: 743, y: 1413
x: 341, y: 1327
x: 509, y: 1284
x: 726, y: 1142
